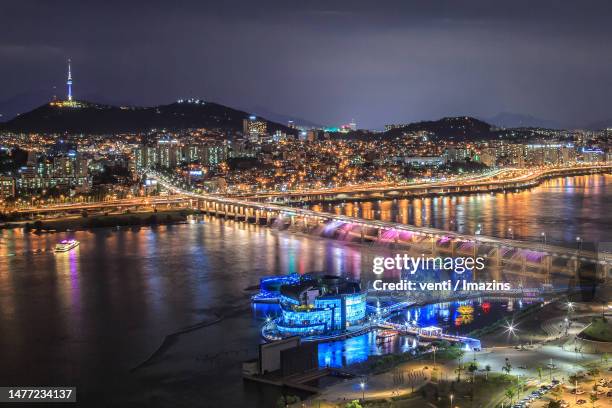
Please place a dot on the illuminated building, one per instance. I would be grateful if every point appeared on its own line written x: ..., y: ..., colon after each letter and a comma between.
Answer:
x: 279, y: 136
x: 7, y: 187
x: 169, y: 152
x: 215, y: 155
x: 488, y: 156
x: 592, y: 155
x: 425, y: 161
x: 454, y: 154
x: 320, y: 305
x: 146, y: 156
x: 395, y: 126
x: 63, y: 169
x: 192, y: 153
x: 253, y: 127
x: 549, y: 153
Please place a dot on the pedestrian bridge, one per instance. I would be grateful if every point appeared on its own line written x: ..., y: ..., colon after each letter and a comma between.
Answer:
x: 431, y: 333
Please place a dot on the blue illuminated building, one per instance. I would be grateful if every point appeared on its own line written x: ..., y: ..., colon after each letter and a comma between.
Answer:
x: 320, y: 305
x: 269, y: 287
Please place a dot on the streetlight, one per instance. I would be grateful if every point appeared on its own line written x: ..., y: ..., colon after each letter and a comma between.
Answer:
x: 579, y: 240
x: 451, y: 400
x: 362, y: 384
x: 543, y: 237
x: 434, y: 355
x: 511, y: 232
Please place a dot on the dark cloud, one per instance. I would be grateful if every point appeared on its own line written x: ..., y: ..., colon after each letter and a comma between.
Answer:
x: 377, y: 62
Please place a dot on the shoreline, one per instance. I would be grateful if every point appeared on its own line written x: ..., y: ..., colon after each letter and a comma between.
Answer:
x: 407, y: 195
x: 80, y: 223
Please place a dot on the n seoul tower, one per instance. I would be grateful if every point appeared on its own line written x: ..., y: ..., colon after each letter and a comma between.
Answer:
x: 69, y: 82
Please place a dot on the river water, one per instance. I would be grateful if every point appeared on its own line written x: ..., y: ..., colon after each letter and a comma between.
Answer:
x: 561, y: 208
x: 92, y: 316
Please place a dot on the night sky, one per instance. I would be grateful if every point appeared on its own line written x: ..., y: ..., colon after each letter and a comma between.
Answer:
x: 326, y: 61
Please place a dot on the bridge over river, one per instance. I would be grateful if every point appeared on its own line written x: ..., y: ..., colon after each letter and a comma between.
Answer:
x: 503, y: 256
x: 507, y: 179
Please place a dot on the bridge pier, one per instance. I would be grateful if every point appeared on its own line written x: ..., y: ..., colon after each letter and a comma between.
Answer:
x: 497, y: 263
x: 605, y: 272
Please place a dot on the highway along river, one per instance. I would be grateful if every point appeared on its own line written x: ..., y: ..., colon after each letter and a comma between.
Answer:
x: 96, y: 317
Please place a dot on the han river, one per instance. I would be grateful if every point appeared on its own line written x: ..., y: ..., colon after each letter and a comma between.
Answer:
x: 161, y: 316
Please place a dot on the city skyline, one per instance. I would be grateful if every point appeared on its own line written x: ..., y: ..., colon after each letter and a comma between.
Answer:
x: 405, y: 62
x: 306, y: 204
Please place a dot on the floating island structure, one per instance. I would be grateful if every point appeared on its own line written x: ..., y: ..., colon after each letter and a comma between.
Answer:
x: 312, y: 305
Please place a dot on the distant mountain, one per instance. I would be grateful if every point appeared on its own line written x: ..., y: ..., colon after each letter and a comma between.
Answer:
x: 450, y: 128
x: 97, y: 118
x: 516, y: 120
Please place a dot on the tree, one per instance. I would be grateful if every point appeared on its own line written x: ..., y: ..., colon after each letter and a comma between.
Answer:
x: 286, y: 400
x: 593, y: 371
x: 353, y: 404
x: 507, y: 367
x: 510, y: 394
x: 593, y: 399
x: 554, y: 404
x: 472, y: 367
x: 458, y: 370
x: 540, y: 373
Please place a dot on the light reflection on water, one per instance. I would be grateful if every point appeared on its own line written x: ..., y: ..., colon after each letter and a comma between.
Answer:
x: 445, y: 315
x: 457, y: 318
x: 89, y: 317
x: 563, y: 208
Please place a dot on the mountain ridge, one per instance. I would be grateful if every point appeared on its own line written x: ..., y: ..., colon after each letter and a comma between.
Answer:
x: 89, y: 117
x: 449, y: 127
